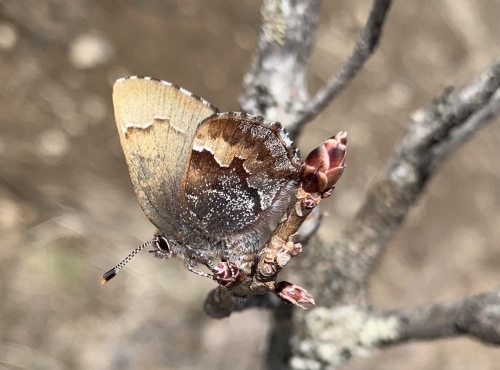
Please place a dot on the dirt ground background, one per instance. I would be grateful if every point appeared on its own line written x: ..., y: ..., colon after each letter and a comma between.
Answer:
x: 68, y: 211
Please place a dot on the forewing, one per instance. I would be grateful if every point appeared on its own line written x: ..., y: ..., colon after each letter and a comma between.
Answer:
x: 242, y: 170
x: 157, y: 121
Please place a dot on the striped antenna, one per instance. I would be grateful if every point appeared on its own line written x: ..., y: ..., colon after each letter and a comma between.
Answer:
x: 112, y: 273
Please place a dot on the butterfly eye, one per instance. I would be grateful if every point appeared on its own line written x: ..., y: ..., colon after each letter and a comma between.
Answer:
x: 162, y: 244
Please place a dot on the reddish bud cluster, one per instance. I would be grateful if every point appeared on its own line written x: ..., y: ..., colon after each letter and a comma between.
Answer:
x: 324, y: 165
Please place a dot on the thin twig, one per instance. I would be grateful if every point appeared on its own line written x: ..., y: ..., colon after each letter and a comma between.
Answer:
x: 475, y: 122
x: 365, y: 46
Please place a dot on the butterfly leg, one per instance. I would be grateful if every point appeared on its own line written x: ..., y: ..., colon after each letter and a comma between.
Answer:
x: 191, y: 267
x: 226, y: 274
x: 210, y: 265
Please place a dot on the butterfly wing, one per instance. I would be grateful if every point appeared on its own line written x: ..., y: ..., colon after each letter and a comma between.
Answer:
x: 157, y: 121
x: 241, y: 172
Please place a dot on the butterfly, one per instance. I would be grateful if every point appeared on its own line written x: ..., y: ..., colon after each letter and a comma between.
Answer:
x: 209, y: 182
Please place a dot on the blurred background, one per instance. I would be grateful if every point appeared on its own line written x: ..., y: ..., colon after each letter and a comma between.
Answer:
x: 68, y: 210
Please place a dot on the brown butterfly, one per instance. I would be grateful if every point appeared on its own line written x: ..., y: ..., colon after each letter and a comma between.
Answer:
x: 208, y: 181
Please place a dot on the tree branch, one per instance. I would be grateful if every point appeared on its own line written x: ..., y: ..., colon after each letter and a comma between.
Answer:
x: 433, y: 135
x: 276, y: 84
x: 331, y: 336
x: 365, y: 46
x: 279, y: 350
x: 477, y: 316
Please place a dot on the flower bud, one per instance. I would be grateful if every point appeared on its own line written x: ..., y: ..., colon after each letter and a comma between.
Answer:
x: 293, y: 294
x: 227, y: 274
x: 325, y: 164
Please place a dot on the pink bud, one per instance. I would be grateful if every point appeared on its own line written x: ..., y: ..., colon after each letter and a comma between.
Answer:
x: 325, y: 164
x: 227, y: 274
x: 293, y: 294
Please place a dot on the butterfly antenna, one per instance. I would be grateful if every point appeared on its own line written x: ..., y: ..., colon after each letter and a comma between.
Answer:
x: 112, y: 273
